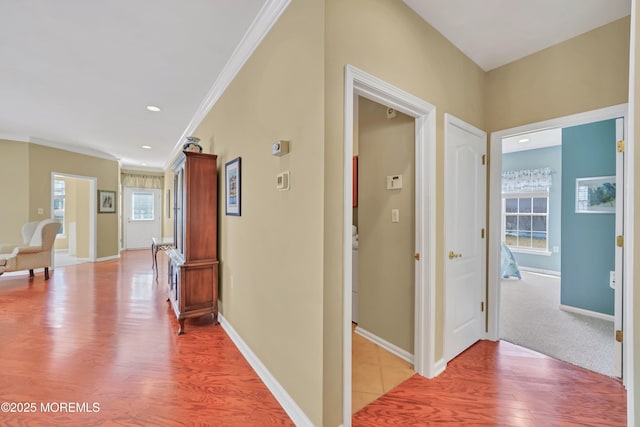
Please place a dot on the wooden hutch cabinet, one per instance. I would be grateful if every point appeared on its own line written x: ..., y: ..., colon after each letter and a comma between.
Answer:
x: 193, y: 261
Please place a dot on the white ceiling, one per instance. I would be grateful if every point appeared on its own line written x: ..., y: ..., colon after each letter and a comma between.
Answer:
x: 531, y: 141
x: 495, y: 32
x: 79, y: 74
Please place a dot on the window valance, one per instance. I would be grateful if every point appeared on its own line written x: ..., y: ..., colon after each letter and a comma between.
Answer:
x: 142, y: 181
x: 527, y: 180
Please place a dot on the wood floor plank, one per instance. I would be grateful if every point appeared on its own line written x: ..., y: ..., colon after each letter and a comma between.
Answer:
x: 104, y: 333
x: 499, y: 384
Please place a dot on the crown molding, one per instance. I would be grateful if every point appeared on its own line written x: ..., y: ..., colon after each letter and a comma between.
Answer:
x: 259, y: 28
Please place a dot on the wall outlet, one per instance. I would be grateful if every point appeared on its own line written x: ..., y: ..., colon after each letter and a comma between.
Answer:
x: 556, y: 249
x: 40, y: 211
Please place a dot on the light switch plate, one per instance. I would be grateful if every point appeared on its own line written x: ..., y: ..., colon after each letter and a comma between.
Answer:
x: 394, y: 182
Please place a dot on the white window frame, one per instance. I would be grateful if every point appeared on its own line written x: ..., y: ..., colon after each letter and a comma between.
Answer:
x: 526, y: 195
x: 133, y: 205
x: 63, y: 197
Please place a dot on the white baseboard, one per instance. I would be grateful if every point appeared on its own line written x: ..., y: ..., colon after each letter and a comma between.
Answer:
x: 289, y: 405
x: 167, y: 240
x: 587, y: 312
x: 108, y: 258
x: 439, y: 367
x: 541, y: 271
x: 392, y: 348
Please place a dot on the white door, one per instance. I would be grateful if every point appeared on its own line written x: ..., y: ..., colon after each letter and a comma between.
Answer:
x: 619, y: 285
x: 465, y: 201
x: 142, y: 217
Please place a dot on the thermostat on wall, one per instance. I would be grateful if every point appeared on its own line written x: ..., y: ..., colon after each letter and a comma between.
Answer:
x: 280, y: 148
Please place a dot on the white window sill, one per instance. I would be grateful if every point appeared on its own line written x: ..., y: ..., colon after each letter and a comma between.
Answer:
x: 530, y: 251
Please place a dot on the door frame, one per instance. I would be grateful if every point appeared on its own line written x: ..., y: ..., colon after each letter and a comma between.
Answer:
x: 451, y: 120
x: 360, y: 83
x: 93, y: 208
x: 495, y: 212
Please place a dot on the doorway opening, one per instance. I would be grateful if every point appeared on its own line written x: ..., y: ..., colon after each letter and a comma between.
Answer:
x: 73, y: 204
x: 359, y: 83
x: 528, y: 226
x: 383, y: 229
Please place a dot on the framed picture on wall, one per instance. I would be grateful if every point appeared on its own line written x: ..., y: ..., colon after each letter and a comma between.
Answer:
x: 596, y: 195
x: 106, y: 201
x: 232, y: 187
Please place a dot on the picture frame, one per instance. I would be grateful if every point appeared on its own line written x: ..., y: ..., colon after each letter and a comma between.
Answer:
x: 106, y: 201
x: 596, y: 195
x: 233, y: 187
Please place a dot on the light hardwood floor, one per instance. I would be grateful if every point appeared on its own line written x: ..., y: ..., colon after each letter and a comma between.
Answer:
x: 103, y: 333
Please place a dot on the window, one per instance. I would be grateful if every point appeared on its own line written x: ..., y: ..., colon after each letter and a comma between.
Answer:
x: 58, y: 203
x: 526, y: 221
x: 142, y: 206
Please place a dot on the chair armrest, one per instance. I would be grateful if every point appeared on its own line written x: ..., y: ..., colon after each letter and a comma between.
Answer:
x: 27, y: 249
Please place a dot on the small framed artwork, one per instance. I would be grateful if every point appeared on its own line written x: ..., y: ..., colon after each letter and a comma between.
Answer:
x: 232, y: 187
x: 596, y: 195
x: 106, y: 201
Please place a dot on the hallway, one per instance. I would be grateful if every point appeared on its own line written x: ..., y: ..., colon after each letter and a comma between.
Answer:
x: 102, y: 333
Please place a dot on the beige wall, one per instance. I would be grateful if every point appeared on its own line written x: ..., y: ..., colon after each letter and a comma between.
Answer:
x: 43, y: 161
x: 585, y: 73
x: 14, y: 174
x: 388, y: 40
x: 271, y: 256
x: 386, y: 249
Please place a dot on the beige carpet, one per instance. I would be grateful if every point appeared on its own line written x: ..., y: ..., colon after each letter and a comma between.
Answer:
x: 530, y: 317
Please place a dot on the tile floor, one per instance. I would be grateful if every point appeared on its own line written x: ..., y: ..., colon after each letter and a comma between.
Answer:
x: 375, y: 371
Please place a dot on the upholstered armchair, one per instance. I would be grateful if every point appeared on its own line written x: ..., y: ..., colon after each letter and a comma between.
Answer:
x: 35, y: 251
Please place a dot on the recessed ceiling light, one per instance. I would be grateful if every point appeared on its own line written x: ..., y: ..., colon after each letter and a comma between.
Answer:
x: 146, y: 147
x: 524, y: 140
x: 153, y: 108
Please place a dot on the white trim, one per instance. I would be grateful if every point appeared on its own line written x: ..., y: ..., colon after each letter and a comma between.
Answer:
x: 289, y: 405
x: 439, y: 366
x: 530, y: 251
x: 541, y: 271
x: 390, y: 347
x: 628, y: 359
x: 259, y: 28
x: 108, y: 258
x: 358, y: 82
x: 15, y: 138
x: 584, y: 312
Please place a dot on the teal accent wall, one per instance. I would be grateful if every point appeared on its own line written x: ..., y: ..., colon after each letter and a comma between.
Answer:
x: 588, y: 250
x: 541, y: 158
